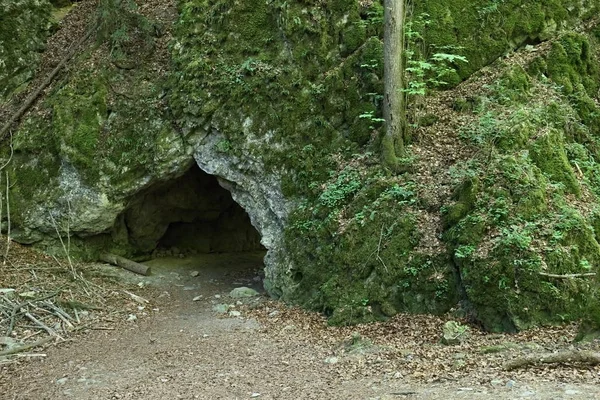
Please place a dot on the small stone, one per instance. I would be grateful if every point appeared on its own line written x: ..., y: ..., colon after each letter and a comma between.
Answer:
x: 194, y: 274
x: 28, y: 295
x: 331, y: 360
x: 197, y: 298
x: 217, y: 296
x: 527, y: 393
x: 255, y: 395
x: 132, y: 318
x: 221, y: 308
x: 234, y: 313
x: 273, y: 314
x: 496, y: 382
x: 62, y: 381
x: 189, y: 288
x: 510, y: 383
x: 571, y: 392
x: 243, y: 291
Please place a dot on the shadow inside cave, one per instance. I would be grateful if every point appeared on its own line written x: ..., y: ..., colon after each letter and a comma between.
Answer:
x: 189, y: 224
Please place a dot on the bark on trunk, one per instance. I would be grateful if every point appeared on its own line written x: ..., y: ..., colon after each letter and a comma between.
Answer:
x: 393, y: 98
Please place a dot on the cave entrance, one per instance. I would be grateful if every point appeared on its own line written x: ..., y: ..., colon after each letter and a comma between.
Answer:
x: 189, y: 217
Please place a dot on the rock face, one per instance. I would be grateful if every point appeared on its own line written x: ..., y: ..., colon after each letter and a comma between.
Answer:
x: 252, y: 121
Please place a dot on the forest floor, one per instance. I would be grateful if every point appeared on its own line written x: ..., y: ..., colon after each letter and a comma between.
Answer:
x: 191, y: 340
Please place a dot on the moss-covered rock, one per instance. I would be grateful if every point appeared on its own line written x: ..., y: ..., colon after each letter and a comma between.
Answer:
x: 23, y: 30
x: 520, y: 222
x: 484, y: 30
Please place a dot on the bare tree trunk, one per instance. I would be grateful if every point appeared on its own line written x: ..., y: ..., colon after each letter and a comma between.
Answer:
x: 393, y: 98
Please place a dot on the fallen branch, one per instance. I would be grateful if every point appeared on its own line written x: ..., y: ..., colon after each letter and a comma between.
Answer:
x: 137, y: 298
x: 18, y: 307
x: 583, y: 357
x: 39, y: 323
x: 26, y: 347
x: 567, y: 276
x: 125, y: 263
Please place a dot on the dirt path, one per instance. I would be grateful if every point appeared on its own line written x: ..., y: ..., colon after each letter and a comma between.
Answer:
x: 178, y: 348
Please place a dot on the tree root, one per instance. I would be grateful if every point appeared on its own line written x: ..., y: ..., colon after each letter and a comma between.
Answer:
x: 574, y: 356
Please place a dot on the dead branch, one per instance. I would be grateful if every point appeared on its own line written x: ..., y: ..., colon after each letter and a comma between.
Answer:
x: 33, y: 96
x: 39, y: 323
x: 26, y: 347
x: 125, y: 263
x: 567, y: 276
x: 582, y: 357
x: 18, y: 307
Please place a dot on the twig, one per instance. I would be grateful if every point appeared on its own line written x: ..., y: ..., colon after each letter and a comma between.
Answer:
x: 567, y: 276
x: 18, y: 307
x: 379, y: 248
x: 26, y: 347
x: 137, y: 298
x: 8, y: 219
x: 63, y: 245
x: 39, y: 323
x: 32, y: 355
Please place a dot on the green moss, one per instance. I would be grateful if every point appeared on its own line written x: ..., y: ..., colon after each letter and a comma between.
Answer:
x: 485, y: 30
x: 23, y: 31
x: 549, y: 155
x: 571, y: 64
x: 80, y: 110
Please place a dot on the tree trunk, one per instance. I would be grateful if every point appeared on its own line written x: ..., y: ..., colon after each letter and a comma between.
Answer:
x: 393, y: 77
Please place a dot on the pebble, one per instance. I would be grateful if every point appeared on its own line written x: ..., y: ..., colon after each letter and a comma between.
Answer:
x: 235, y: 313
x: 527, y: 393
x: 131, y: 318
x: 61, y: 381
x: 197, y: 298
x: 221, y: 308
x: 510, y: 383
x: 331, y: 360
x: 194, y: 274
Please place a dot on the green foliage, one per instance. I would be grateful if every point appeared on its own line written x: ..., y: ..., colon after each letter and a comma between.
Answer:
x: 127, y: 32
x: 487, y: 29
x: 431, y: 67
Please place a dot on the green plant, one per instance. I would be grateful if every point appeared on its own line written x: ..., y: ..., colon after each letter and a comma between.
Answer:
x: 224, y: 146
x: 124, y: 29
x: 346, y: 184
x: 464, y: 251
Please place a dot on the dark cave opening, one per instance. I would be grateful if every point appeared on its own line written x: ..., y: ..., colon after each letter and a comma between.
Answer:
x: 191, y: 214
